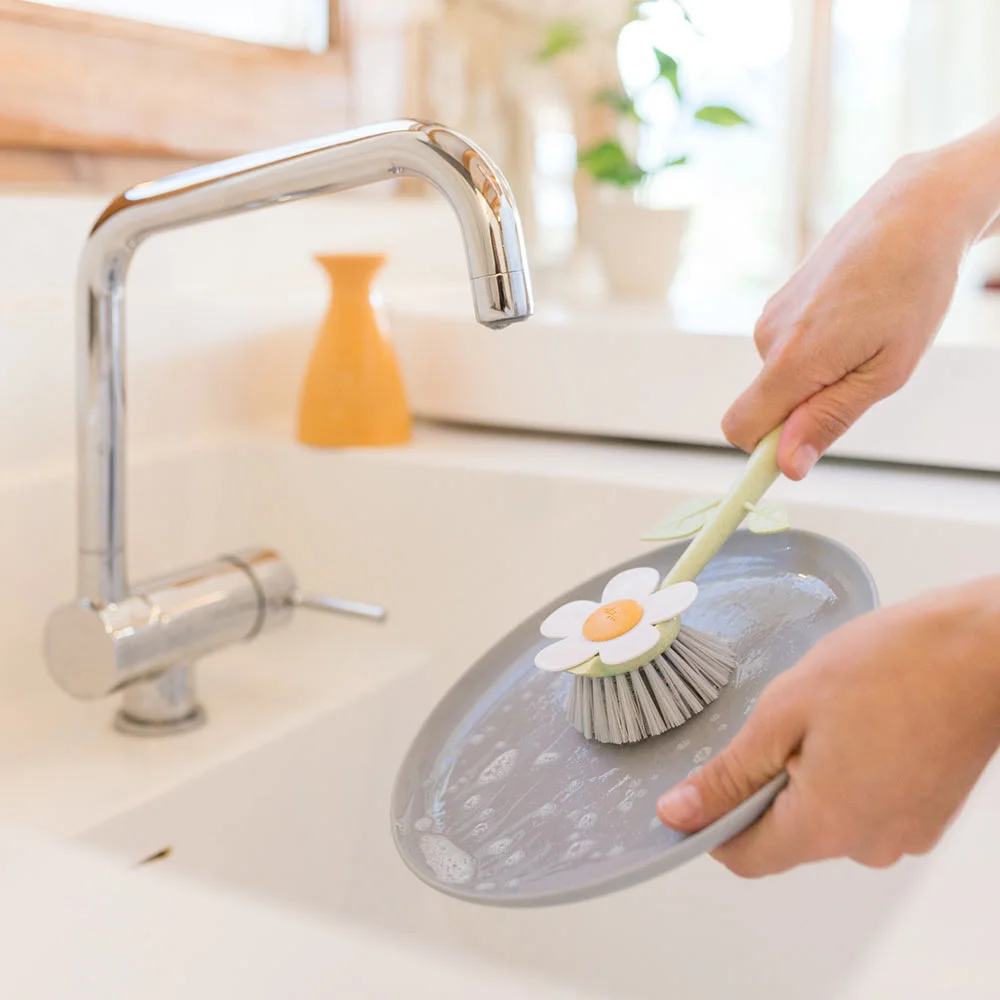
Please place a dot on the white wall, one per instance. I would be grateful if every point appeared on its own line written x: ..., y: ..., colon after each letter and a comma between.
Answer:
x: 220, y: 317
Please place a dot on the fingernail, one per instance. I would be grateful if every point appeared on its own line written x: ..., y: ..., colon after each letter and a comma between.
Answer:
x: 803, y: 459
x: 681, y: 805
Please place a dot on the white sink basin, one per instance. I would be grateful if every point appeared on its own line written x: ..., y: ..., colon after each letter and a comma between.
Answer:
x: 460, y: 547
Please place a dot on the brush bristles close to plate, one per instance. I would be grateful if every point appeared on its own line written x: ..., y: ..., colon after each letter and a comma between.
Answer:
x: 652, y: 699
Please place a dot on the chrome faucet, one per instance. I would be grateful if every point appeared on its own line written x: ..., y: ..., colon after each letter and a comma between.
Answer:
x: 143, y: 639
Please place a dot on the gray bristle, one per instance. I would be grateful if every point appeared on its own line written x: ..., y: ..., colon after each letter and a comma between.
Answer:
x: 648, y: 701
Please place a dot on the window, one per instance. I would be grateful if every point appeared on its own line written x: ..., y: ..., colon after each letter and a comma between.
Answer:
x: 734, y: 53
x: 292, y: 24
x: 108, y: 100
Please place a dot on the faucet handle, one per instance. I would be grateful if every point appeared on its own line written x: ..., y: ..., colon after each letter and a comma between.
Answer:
x: 338, y: 606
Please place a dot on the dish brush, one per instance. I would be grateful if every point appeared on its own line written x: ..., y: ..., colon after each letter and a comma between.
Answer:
x: 680, y: 670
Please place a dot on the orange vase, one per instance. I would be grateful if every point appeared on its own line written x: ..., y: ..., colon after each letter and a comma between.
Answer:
x: 353, y: 392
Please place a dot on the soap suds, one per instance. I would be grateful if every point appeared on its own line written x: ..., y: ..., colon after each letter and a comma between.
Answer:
x: 448, y: 863
x: 500, y: 768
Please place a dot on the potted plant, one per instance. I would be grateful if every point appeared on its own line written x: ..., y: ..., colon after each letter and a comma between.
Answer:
x: 638, y: 246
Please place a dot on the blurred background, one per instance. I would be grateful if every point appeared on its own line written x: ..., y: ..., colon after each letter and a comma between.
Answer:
x: 825, y: 93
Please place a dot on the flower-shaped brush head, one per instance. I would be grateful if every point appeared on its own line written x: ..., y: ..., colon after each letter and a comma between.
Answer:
x: 620, y: 628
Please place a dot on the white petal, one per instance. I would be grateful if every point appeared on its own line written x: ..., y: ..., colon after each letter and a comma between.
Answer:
x: 669, y: 602
x: 631, y: 583
x: 568, y: 620
x: 635, y: 642
x: 565, y: 653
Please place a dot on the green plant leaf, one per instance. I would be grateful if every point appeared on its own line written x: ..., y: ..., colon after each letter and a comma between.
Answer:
x: 719, y: 114
x: 677, y: 161
x: 608, y: 161
x: 767, y: 518
x: 562, y: 37
x: 668, y: 70
x: 683, y: 521
x: 685, y: 13
x: 618, y: 101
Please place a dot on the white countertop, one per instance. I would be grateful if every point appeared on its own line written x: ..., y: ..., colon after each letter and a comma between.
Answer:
x: 668, y: 374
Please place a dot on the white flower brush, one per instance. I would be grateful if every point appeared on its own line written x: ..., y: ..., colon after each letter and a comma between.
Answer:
x: 637, y: 672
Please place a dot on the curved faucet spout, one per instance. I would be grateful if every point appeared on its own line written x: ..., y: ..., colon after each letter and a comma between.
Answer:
x: 477, y: 191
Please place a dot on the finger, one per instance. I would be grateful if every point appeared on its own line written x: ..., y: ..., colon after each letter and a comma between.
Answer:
x: 757, y: 753
x: 822, y: 419
x: 781, y: 386
x: 781, y: 839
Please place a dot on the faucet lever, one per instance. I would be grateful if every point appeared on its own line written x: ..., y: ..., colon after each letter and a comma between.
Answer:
x: 338, y: 606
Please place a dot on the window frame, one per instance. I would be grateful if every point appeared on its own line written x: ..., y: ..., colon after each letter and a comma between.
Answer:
x: 90, y: 97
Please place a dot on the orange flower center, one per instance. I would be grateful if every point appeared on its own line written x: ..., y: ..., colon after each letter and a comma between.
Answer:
x: 612, y: 620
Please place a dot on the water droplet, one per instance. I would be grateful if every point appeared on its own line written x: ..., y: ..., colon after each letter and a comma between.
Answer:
x: 723, y: 728
x: 714, y: 718
x: 515, y: 857
x: 641, y: 794
x: 626, y: 805
x: 546, y: 758
x: 513, y: 883
x: 486, y: 886
x: 587, y: 821
x: 694, y: 770
x: 501, y: 846
x: 615, y: 851
x: 546, y: 810
x: 477, y: 739
x: 702, y: 755
x: 683, y: 745
x: 472, y: 802
x: 479, y: 829
x: 424, y: 823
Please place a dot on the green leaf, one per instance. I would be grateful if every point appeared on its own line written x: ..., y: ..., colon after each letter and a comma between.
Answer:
x: 562, y: 37
x: 618, y: 101
x: 685, y: 13
x: 767, y: 518
x: 685, y: 520
x: 668, y: 70
x: 677, y: 161
x: 718, y: 114
x: 609, y: 162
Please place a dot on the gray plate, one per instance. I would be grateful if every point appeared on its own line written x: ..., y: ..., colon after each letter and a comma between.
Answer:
x: 501, y: 801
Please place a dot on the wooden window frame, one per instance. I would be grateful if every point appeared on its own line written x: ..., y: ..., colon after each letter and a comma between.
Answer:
x: 104, y: 100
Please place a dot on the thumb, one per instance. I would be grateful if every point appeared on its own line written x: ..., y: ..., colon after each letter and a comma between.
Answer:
x: 815, y: 424
x: 758, y: 752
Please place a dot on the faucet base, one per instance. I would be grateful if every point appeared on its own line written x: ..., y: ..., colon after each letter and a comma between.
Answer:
x: 161, y: 706
x: 124, y: 723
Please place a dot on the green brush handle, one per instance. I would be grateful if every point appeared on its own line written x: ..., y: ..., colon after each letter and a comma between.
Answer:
x: 758, y: 477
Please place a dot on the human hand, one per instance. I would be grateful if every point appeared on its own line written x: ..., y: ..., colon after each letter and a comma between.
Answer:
x: 851, y: 324
x: 883, y: 728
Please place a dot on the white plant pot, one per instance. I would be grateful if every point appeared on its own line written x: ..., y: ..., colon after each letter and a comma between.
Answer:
x: 639, y: 248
